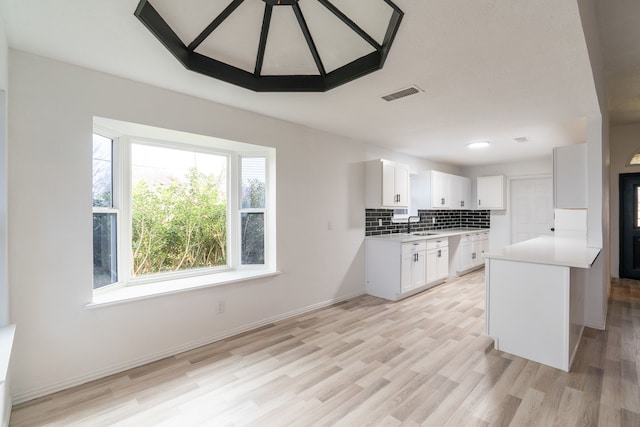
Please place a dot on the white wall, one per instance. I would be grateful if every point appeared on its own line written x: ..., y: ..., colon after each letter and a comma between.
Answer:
x: 625, y: 142
x: 4, y: 291
x: 415, y: 164
x: 320, y: 178
x: 5, y: 397
x: 500, y: 235
x: 598, y: 277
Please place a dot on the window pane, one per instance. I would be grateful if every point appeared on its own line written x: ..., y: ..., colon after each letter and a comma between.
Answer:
x: 105, y: 257
x: 102, y: 171
x: 253, y: 182
x: 252, y: 238
x: 179, y: 209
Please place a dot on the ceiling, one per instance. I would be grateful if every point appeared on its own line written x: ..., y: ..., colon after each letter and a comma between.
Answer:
x: 490, y: 69
x: 619, y: 22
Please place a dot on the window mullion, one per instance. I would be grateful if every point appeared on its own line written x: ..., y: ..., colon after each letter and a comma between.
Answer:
x: 124, y: 199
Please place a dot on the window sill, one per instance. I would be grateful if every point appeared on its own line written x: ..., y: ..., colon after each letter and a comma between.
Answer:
x: 122, y: 294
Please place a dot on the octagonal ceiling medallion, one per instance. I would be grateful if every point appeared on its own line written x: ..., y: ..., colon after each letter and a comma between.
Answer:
x: 276, y: 45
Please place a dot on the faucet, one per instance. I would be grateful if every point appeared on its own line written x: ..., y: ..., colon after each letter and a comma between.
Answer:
x: 409, y: 223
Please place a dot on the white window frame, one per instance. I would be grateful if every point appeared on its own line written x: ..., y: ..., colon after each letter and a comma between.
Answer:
x: 241, y: 210
x: 116, y: 196
x: 121, y: 171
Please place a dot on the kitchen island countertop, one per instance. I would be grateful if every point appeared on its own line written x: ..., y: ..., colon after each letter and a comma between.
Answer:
x: 552, y: 250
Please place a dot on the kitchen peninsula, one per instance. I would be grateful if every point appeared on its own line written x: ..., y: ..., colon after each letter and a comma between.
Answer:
x: 535, y: 297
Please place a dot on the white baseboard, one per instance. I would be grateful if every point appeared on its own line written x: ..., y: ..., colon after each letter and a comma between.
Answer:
x: 600, y: 326
x: 114, y: 369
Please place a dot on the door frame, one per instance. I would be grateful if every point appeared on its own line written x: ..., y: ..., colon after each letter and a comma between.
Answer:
x: 623, y: 268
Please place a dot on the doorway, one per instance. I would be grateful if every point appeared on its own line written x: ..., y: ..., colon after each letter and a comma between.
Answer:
x: 630, y: 226
x: 531, y: 208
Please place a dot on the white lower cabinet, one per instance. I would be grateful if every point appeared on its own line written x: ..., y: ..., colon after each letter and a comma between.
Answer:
x: 437, y: 260
x: 468, y: 252
x: 413, y: 274
x: 395, y: 269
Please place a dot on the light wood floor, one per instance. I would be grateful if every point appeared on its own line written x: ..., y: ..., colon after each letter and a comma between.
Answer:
x: 421, y: 361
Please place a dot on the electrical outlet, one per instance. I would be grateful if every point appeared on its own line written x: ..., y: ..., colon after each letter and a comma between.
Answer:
x: 220, y: 307
x: 433, y: 220
x: 379, y: 222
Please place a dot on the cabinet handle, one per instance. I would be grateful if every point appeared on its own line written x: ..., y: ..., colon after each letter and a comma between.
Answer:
x: 479, y: 202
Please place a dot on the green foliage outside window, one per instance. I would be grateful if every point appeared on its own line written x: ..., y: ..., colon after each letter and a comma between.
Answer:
x: 179, y: 225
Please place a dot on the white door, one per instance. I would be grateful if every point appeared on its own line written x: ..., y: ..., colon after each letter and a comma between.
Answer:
x: 531, y: 208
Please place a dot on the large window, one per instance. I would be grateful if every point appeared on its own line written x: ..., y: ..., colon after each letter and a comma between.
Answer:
x: 166, y: 210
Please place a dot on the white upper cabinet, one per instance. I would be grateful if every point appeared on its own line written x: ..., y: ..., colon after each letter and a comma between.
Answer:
x: 491, y: 192
x: 387, y: 185
x: 570, y: 176
x: 439, y: 190
x: 460, y: 192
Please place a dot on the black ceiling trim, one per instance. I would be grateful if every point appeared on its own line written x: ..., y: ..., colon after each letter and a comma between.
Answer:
x: 266, y: 22
x: 344, y: 18
x: 211, y: 67
x: 214, y: 24
x: 159, y: 28
x: 280, y: 2
x: 309, y: 39
x: 354, y: 70
x: 390, y: 35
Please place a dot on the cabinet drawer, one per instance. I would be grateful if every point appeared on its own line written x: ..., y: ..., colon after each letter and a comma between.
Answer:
x: 477, y: 237
x: 409, y: 248
x: 465, y: 238
x: 437, y: 243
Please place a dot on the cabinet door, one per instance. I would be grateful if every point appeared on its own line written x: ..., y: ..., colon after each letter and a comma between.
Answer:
x: 490, y: 191
x: 476, y: 253
x: 464, y: 255
x: 464, y: 193
x: 485, y: 244
x: 432, y: 265
x: 440, y: 190
x: 406, y: 275
x: 443, y: 263
x: 401, y: 185
x: 389, y: 195
x: 420, y: 270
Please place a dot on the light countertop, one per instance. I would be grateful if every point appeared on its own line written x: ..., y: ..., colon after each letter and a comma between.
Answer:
x: 437, y: 234
x: 551, y: 250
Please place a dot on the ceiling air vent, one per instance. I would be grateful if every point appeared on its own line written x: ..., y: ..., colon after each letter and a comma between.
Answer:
x: 411, y: 90
x: 521, y: 139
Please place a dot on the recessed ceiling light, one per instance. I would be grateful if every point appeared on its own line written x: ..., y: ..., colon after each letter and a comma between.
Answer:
x: 478, y: 144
